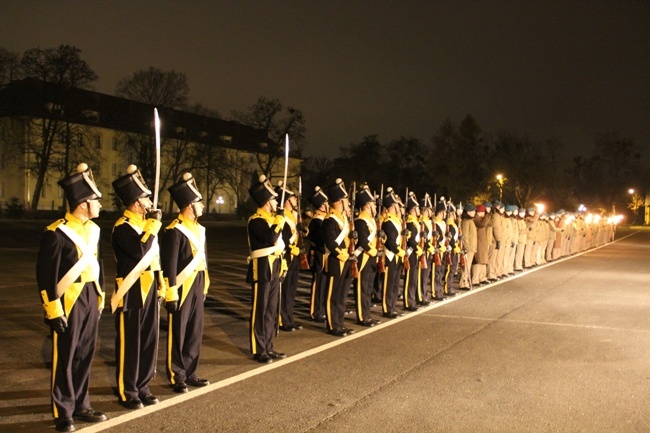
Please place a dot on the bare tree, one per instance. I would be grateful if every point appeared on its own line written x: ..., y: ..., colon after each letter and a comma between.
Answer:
x: 270, y: 116
x: 156, y: 87
x: 9, y: 66
x: 64, y: 69
x: 521, y: 161
x: 162, y: 89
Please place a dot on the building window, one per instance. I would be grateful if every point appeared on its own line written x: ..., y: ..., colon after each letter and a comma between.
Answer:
x: 114, y: 169
x: 2, y: 190
x: 80, y: 139
x: 98, y: 141
x: 114, y: 143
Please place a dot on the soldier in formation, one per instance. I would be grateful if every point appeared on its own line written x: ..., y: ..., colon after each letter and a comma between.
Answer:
x: 138, y: 287
x: 70, y: 279
x: 184, y: 265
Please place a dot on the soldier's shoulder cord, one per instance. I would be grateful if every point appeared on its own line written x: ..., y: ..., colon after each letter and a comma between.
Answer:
x: 121, y: 221
x: 55, y: 224
x: 173, y: 224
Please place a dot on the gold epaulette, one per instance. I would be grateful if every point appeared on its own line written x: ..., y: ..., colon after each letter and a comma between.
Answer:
x: 173, y: 224
x: 259, y: 215
x: 121, y: 221
x: 55, y: 224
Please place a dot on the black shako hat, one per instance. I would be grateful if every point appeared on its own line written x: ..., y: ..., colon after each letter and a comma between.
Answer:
x: 426, y: 201
x: 318, y: 198
x: 185, y: 192
x: 364, y: 196
x: 337, y: 191
x: 262, y: 191
x: 80, y: 186
x: 131, y: 186
x: 390, y: 198
x: 287, y: 192
x: 411, y: 201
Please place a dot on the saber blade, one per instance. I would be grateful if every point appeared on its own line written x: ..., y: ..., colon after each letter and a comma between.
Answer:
x: 286, y: 168
x: 157, y: 178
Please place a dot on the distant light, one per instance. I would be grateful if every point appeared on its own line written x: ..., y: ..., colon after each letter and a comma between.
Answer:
x: 582, y: 208
x: 499, y: 177
x: 631, y: 190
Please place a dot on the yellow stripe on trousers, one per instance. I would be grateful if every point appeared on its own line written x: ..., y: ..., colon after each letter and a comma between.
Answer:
x: 170, y: 318
x: 55, y: 362
x: 120, y: 383
x: 329, y: 298
x: 253, y: 313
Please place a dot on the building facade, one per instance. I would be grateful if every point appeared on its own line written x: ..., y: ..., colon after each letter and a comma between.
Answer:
x: 40, y: 122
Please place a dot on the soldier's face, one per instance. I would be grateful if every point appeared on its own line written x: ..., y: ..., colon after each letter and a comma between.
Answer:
x: 346, y: 205
x: 93, y: 208
x: 145, y: 204
x: 198, y: 208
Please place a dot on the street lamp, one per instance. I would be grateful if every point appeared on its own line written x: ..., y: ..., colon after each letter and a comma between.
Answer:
x: 500, y: 181
x: 635, y: 203
x: 220, y: 202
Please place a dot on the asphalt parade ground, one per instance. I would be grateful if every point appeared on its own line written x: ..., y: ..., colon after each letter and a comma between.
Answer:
x: 563, y: 347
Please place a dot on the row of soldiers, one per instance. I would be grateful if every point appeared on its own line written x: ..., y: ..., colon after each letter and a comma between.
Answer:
x: 70, y: 278
x: 386, y: 249
x: 391, y: 248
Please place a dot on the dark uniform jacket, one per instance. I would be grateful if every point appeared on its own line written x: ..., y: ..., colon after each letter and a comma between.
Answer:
x: 133, y: 237
x: 57, y: 255
x: 177, y: 252
x: 263, y: 242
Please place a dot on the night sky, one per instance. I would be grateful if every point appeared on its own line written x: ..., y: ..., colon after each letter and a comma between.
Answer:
x: 393, y: 68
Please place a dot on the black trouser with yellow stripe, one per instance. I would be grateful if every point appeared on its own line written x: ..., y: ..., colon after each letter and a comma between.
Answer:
x: 391, y: 284
x: 439, y: 279
x: 186, y: 334
x: 264, y: 312
x: 411, y: 281
x: 318, y: 288
x: 72, y: 356
x: 338, y: 285
x: 424, y: 293
x: 364, y: 287
x: 136, y: 344
x: 289, y: 289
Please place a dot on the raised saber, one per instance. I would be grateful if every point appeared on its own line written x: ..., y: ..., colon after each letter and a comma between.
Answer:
x: 156, y: 184
x: 286, y: 168
x: 284, y: 186
x: 156, y: 122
